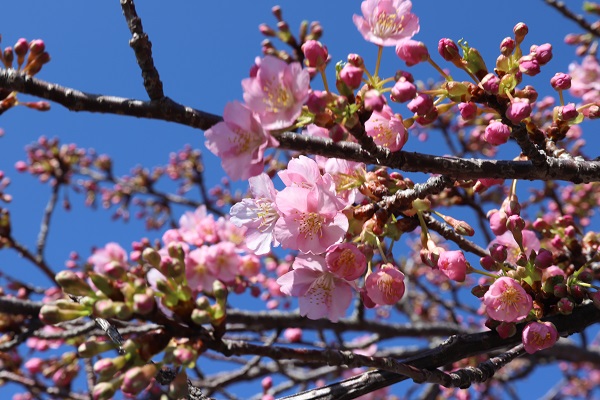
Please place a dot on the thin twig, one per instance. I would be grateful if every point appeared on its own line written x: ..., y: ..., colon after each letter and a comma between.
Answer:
x: 578, y: 19
x: 45, y: 225
x: 142, y: 47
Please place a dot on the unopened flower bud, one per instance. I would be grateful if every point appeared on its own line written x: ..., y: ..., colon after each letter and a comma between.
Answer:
x: 496, y: 133
x: 507, y: 46
x: 73, y: 284
x: 490, y: 83
x: 151, y: 256
x: 103, y: 391
x: 266, y: 30
x: 351, y: 75
x: 520, y: 30
x: 421, y: 104
x: 518, y: 110
x: 542, y: 53
x: 94, y: 347
x: 529, y: 65
x: 565, y: 306
x: 412, y: 52
x: 403, y: 91
x: 448, y: 49
x: 315, y: 54
x: 567, y: 112
x: 506, y: 329
x: 137, y: 378
x: 467, y: 110
x: 374, y: 100
x: 488, y: 263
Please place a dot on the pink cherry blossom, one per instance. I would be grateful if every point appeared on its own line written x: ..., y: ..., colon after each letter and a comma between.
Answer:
x: 198, y: 227
x: 108, y: 258
x: 321, y: 294
x: 223, y: 261
x: 239, y: 141
x: 197, y: 272
x: 387, y: 129
x: 311, y: 219
x: 530, y: 242
x: 386, y: 286
x: 277, y: 92
x: 412, y: 52
x: 585, y: 79
x: 539, y: 336
x: 507, y: 301
x: 258, y: 214
x: 386, y: 22
x: 453, y: 264
x: 301, y: 171
x: 346, y: 261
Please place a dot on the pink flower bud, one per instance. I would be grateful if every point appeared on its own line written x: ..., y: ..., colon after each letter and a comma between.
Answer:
x: 496, y: 133
x: 315, y: 54
x: 538, y: 336
x: 506, y: 329
x: 515, y: 223
x: 351, y: 76
x: 403, y: 91
x: 386, y: 286
x: 374, y: 100
x: 34, y: 365
x: 565, y: 306
x: 497, y: 221
x: 421, y: 104
x: 489, y: 264
x: 267, y: 383
x: 542, y: 53
x: 491, y: 83
x: 520, y: 30
x: 529, y: 65
x: 356, y: 60
x: 317, y: 101
x: 507, y: 46
x: 453, y: 264
x: 448, y: 49
x: 412, y: 52
x: 37, y: 46
x: 593, y: 112
x: 498, y: 252
x: 518, y: 111
x: 467, y: 110
x: 21, y: 47
x: 544, y: 259
x: 293, y: 335
x: 567, y: 113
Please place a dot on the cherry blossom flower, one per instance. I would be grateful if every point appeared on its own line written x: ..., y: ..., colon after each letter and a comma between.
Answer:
x: 239, y: 141
x: 223, y: 261
x: 258, y: 215
x: 277, y: 92
x: 311, y: 219
x: 109, y: 258
x: 507, y: 301
x: 539, y: 336
x: 302, y: 172
x: 386, y: 286
x: 387, y: 129
x: 585, y: 79
x: 198, y: 227
x: 386, y: 22
x: 197, y: 272
x: 346, y: 261
x: 321, y: 294
x: 530, y: 242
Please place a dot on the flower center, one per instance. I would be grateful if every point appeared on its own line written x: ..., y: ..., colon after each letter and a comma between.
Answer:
x: 266, y: 213
x: 243, y: 141
x: 310, y: 224
x: 320, y: 291
x: 387, y: 24
x: 277, y: 97
x: 386, y: 285
x: 511, y: 297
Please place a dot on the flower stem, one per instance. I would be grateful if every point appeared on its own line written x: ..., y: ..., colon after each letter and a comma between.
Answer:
x: 482, y: 272
x: 441, y: 71
x: 379, y: 52
x: 322, y: 71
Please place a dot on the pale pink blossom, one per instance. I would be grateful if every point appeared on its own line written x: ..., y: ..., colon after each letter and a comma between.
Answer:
x: 198, y: 227
x: 386, y: 22
x: 347, y: 178
x: 302, y: 172
x: 258, y: 214
x: 387, y: 129
x: 109, y: 258
x: 311, y: 219
x: 539, y: 336
x: 321, y: 294
x: 507, y: 301
x: 197, y: 272
x: 585, y: 79
x: 277, y: 92
x: 530, y: 242
x: 386, y: 286
x: 346, y: 261
x: 223, y: 261
x: 239, y: 141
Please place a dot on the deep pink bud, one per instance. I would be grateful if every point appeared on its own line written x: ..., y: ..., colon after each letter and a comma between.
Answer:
x: 568, y: 112
x: 412, y: 51
x: 21, y: 166
x: 593, y: 112
x: 403, y: 91
x: 374, y: 100
x: 542, y: 53
x: 518, y: 110
x: 529, y: 65
x: 515, y: 223
x: 506, y: 329
x: 497, y: 221
x: 538, y: 336
x: 561, y: 81
x: 453, y: 264
x: 507, y: 46
x: 356, y: 60
x: 499, y: 252
x: 467, y: 110
x: 421, y: 104
x: 293, y: 335
x: 351, y: 76
x: 490, y: 83
x: 37, y: 46
x: 315, y: 54
x: 544, y: 259
x: 317, y: 101
x: 448, y: 49
x: 489, y: 264
x: 496, y: 133
x: 21, y: 47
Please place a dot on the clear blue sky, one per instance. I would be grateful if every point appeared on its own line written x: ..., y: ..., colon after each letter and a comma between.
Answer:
x: 202, y: 50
